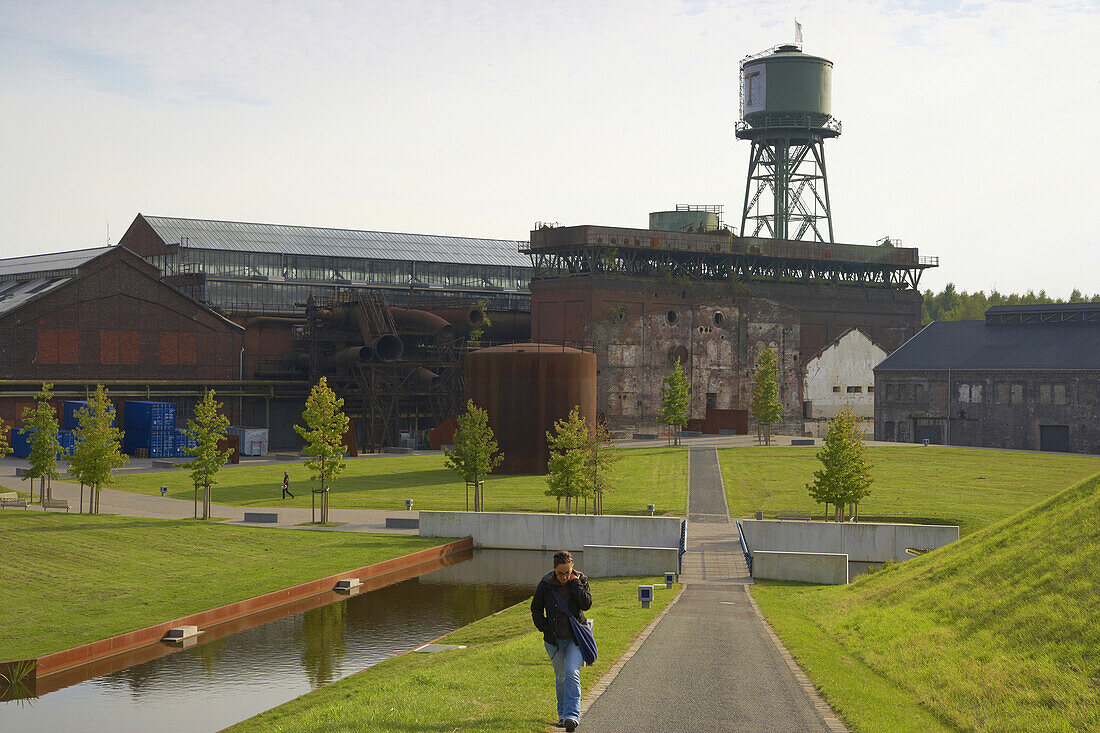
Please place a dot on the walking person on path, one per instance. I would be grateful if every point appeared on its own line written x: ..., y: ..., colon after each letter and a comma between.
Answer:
x: 286, y: 485
x: 563, y: 585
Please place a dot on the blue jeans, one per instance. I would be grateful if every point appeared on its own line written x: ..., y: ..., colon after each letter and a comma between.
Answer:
x: 567, y: 661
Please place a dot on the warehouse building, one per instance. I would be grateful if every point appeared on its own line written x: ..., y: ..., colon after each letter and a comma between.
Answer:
x: 1027, y: 377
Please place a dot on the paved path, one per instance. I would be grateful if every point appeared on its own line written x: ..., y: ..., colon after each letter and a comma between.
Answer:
x: 710, y: 664
x: 130, y: 504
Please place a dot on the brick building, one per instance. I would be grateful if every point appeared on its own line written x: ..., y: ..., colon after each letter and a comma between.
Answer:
x: 1027, y: 377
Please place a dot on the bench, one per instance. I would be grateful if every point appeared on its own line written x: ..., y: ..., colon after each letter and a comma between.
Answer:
x: 802, y: 441
x: 11, y: 499
x: 402, y: 523
x: 55, y: 504
x: 261, y: 517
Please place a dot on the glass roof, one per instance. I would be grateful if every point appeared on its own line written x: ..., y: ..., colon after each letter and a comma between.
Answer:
x: 295, y: 240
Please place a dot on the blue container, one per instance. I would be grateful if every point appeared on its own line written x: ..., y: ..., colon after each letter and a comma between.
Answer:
x: 180, y: 444
x: 67, y: 441
x: 146, y: 415
x: 21, y: 442
x: 69, y: 410
x: 159, y: 443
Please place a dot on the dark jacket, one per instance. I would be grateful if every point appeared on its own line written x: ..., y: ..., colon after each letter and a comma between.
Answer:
x: 545, y: 606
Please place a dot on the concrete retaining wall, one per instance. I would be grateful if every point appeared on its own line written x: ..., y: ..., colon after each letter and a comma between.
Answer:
x: 807, y: 567
x: 604, y: 561
x: 376, y: 575
x: 861, y: 542
x: 527, y: 531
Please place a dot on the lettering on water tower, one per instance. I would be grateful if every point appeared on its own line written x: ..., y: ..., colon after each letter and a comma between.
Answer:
x: 755, y: 80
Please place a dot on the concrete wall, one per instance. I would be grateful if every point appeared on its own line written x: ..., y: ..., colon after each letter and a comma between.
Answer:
x: 603, y: 561
x: 843, y: 366
x: 861, y: 542
x: 526, y: 531
x: 806, y: 567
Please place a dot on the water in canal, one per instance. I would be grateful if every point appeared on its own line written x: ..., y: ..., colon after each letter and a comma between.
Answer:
x: 241, y: 669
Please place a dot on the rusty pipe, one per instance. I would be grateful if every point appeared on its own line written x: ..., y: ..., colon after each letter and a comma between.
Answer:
x: 421, y: 320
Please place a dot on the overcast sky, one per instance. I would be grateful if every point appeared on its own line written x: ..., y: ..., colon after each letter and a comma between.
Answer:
x: 970, y: 129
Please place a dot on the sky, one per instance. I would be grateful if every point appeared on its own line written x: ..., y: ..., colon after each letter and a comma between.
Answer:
x: 968, y: 127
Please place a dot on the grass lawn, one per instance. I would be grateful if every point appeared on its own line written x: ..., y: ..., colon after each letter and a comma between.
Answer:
x: 502, y: 681
x: 644, y: 476
x: 997, y: 632
x: 970, y: 487
x: 70, y: 579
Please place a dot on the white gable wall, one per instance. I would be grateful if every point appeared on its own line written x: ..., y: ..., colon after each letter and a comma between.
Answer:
x: 846, y: 364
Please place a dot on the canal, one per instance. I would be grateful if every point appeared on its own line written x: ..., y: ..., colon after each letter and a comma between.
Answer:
x: 256, y: 663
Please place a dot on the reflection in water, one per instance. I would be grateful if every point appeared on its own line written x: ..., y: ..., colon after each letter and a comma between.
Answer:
x: 322, y: 640
x: 225, y: 679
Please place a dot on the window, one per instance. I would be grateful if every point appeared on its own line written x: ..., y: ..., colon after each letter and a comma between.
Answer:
x: 836, y: 388
x: 712, y: 400
x: 964, y: 393
x: 1017, y: 394
x: 1059, y: 394
x: 854, y: 389
x: 1044, y: 394
x: 870, y: 389
x: 1001, y: 393
x: 975, y: 393
x: 918, y: 392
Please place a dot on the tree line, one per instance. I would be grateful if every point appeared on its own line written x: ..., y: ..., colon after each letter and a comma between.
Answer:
x: 952, y: 305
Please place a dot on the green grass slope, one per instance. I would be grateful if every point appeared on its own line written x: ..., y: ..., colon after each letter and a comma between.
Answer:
x: 998, y: 632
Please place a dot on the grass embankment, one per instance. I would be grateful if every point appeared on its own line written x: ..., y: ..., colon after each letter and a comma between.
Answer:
x: 969, y: 487
x: 997, y: 632
x: 644, y: 476
x: 70, y: 579
x: 502, y: 681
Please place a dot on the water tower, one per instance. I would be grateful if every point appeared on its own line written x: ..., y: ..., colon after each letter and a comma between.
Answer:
x: 785, y: 114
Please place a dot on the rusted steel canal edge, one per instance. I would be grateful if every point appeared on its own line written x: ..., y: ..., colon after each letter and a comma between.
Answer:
x: 98, y: 650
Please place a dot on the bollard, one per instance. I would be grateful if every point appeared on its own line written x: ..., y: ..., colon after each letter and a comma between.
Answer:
x: 670, y: 578
x: 759, y: 514
x: 645, y: 595
x: 408, y: 505
x: 164, y: 491
x: 650, y: 508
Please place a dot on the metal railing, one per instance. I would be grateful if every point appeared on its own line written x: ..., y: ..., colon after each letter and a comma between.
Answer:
x: 744, y: 548
x: 683, y: 546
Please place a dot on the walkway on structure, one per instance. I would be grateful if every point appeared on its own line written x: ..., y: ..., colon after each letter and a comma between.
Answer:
x: 710, y: 663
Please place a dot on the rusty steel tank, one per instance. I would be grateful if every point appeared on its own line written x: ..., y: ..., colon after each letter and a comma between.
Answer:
x: 525, y: 388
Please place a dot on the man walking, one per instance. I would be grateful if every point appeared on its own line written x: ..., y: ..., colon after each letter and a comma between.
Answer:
x: 286, y: 485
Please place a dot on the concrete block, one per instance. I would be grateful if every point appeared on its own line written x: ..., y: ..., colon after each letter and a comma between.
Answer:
x: 605, y: 561
x: 823, y: 568
x: 261, y: 517
x: 181, y: 632
x: 531, y: 531
x: 860, y: 541
x: 347, y: 584
x: 402, y: 523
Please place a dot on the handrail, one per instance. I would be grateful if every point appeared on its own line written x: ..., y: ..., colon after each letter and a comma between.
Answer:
x: 744, y: 548
x: 683, y: 546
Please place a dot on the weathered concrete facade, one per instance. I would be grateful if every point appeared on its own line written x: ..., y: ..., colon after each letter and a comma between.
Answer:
x: 841, y: 375
x: 1021, y: 409
x: 638, y: 326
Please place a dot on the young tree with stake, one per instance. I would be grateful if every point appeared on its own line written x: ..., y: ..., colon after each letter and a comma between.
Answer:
x: 324, y: 432
x: 845, y: 474
x: 475, y: 452
x: 675, y: 402
x: 206, y: 429
x: 765, y: 406
x: 41, y: 421
x: 98, y: 449
x: 569, y: 469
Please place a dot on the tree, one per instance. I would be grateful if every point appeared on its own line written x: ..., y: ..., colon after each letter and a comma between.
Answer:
x: 675, y: 394
x: 206, y: 429
x: 845, y: 474
x: 98, y: 445
x: 324, y: 432
x: 569, y: 470
x: 765, y: 406
x: 41, y: 421
x: 475, y: 452
x: 603, y: 458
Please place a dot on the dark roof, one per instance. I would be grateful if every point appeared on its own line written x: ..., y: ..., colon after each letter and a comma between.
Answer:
x: 241, y: 236
x: 1043, y: 313
x: 979, y: 345
x: 51, y: 264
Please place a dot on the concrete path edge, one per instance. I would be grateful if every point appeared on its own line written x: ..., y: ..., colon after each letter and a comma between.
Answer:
x: 820, y: 706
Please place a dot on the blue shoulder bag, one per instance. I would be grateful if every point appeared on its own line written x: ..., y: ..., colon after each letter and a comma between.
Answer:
x: 582, y: 635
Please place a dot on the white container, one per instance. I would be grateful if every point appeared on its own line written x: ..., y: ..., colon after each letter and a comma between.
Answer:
x: 253, y: 441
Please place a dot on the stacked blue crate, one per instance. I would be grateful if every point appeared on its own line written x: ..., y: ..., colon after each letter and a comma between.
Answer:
x: 69, y: 410
x: 21, y: 443
x: 150, y: 426
x: 181, y: 443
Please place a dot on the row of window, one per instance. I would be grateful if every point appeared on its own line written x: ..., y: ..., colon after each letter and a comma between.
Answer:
x: 852, y: 389
x: 344, y: 269
x: 1004, y: 393
x: 115, y: 347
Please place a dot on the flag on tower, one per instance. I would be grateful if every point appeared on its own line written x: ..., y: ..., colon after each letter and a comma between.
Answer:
x: 797, y: 31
